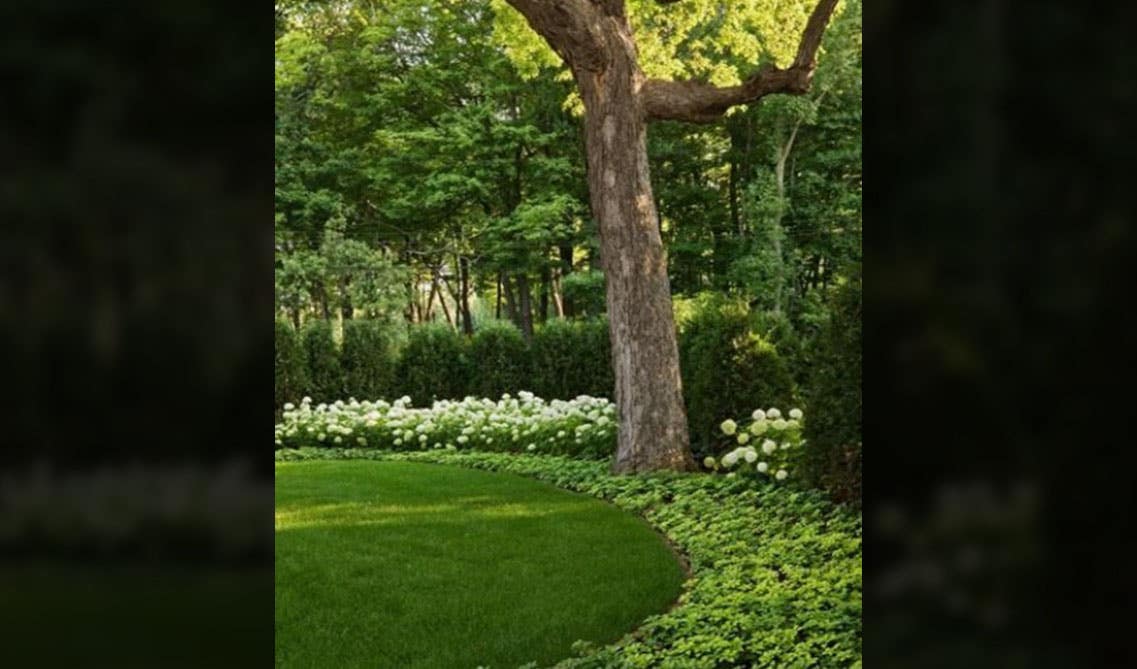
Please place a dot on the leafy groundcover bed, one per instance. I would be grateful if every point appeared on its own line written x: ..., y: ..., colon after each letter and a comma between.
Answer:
x: 776, y: 573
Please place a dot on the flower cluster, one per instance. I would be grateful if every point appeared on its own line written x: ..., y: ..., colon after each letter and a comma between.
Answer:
x: 582, y: 427
x: 763, y: 447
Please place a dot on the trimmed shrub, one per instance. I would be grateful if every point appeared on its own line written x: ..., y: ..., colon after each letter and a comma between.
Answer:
x: 727, y: 371
x: 367, y: 360
x: 325, y: 376
x: 585, y: 291
x: 499, y: 360
x: 572, y: 358
x: 289, y: 377
x: 832, y: 455
x: 434, y: 365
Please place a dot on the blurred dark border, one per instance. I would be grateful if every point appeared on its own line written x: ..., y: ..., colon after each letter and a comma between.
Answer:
x: 999, y: 264
x: 135, y: 333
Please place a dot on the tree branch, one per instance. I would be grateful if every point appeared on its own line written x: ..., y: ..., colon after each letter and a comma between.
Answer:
x: 699, y: 102
x: 569, y: 28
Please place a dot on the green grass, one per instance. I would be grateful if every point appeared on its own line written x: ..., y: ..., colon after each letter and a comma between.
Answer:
x: 398, y: 564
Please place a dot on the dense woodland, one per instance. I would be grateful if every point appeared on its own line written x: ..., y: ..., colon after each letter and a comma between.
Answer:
x: 430, y: 167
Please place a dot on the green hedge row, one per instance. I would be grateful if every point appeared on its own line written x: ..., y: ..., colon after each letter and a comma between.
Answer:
x: 564, y: 360
x: 727, y: 370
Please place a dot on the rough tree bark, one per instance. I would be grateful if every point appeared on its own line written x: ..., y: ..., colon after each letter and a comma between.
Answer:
x: 596, y: 42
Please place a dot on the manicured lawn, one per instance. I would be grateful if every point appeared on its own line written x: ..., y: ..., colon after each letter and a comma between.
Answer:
x: 399, y: 564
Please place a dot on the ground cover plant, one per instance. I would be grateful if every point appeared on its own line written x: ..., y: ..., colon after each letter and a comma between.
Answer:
x: 399, y: 564
x: 775, y: 572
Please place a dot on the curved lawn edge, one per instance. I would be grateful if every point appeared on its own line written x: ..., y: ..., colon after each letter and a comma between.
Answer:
x: 775, y: 573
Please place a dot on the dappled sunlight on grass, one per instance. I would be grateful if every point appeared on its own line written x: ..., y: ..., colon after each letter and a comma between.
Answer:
x: 413, y: 565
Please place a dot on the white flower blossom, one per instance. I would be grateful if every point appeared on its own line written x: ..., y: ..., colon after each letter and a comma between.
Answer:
x: 795, y: 414
x: 768, y: 446
x: 728, y: 427
x: 781, y: 474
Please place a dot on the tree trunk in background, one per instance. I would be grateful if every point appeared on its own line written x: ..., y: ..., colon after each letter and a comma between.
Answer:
x: 430, y: 300
x: 322, y: 301
x: 566, y: 269
x: 645, y: 354
x: 558, y: 301
x: 510, y: 299
x: 497, y: 306
x: 346, y: 310
x: 438, y: 278
x: 543, y: 305
x: 524, y: 307
x: 464, y: 279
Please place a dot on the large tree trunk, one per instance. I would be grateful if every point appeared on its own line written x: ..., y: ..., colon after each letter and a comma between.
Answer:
x: 645, y: 355
x: 595, y: 40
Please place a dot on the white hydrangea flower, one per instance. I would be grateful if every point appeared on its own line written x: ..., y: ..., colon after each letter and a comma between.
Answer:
x: 338, y: 439
x: 785, y: 445
x: 728, y: 426
x: 762, y: 467
x: 758, y: 414
x: 758, y: 428
x: 780, y: 424
x: 781, y: 475
x: 751, y: 455
x: 289, y: 406
x: 730, y: 459
x: 531, y: 447
x: 709, y: 462
x: 796, y: 414
x: 743, y: 437
x: 773, y: 413
x: 769, y: 447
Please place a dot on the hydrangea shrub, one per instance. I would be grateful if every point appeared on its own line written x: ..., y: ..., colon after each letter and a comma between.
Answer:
x: 583, y: 427
x: 766, y: 445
